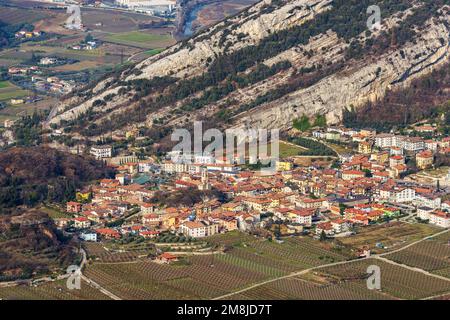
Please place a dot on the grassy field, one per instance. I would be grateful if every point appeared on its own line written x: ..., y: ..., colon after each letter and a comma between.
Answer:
x: 140, y: 39
x: 4, y: 84
x: 153, y: 52
x: 10, y: 91
x: 54, y: 213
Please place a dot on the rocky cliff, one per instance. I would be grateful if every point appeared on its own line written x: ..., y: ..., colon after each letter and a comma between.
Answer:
x: 270, y: 64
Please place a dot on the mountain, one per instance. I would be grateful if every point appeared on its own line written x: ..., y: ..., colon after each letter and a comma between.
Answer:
x: 266, y: 66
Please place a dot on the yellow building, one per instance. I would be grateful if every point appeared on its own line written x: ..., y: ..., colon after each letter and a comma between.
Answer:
x: 424, y: 159
x: 283, y: 166
x: 83, y: 196
x: 365, y: 147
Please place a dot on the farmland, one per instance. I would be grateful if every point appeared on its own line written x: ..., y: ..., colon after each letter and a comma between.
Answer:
x: 56, y: 290
x: 432, y: 255
x: 141, y: 39
x: 348, y: 281
x: 392, y: 236
x: 247, y: 260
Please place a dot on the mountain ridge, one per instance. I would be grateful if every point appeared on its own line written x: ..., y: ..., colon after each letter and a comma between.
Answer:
x: 295, y: 57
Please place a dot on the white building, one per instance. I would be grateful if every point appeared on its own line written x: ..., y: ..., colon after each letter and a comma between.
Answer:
x: 440, y: 219
x: 89, y: 237
x: 198, y: 229
x: 100, y: 152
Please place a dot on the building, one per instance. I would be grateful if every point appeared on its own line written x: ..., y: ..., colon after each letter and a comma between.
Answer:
x: 198, y: 229
x: 89, y: 237
x: 440, y: 219
x: 100, y: 152
x: 424, y: 159
x: 81, y: 223
x: 73, y: 207
x: 365, y: 147
x: 352, y: 174
x: 283, y: 166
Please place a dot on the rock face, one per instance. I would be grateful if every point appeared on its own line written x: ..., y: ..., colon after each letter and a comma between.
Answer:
x: 354, y: 83
x: 358, y: 83
x: 181, y: 61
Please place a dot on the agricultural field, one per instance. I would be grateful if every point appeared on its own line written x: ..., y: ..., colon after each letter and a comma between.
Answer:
x: 392, y: 236
x: 247, y: 261
x: 20, y: 15
x: 141, y: 39
x: 97, y: 252
x: 54, y: 213
x: 51, y: 291
x: 432, y: 255
x: 9, y: 91
x: 348, y: 282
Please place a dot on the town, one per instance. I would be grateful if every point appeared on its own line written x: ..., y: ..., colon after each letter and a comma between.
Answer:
x: 204, y: 196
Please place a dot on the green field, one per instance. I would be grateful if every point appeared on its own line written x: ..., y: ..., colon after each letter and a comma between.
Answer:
x: 153, y: 52
x: 4, y: 84
x: 11, y: 92
x: 140, y: 39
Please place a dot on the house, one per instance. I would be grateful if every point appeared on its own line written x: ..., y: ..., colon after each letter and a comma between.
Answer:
x: 149, y: 234
x: 108, y: 233
x: 440, y: 219
x: 100, y: 152
x: 151, y: 220
x: 423, y: 213
x: 198, y: 229
x: 92, y: 237
x: 365, y: 147
x: 167, y: 257
x: 424, y: 159
x: 73, y: 207
x: 81, y: 223
x: 147, y: 208
x: 325, y: 227
x: 303, y: 217
x: 352, y: 174
x: 340, y: 225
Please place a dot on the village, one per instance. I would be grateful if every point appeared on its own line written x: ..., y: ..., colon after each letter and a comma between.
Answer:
x: 204, y: 196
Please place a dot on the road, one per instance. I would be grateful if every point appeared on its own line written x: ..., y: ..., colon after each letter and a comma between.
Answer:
x: 379, y: 256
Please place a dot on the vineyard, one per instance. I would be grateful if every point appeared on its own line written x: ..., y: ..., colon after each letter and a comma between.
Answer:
x: 51, y: 291
x: 396, y: 281
x: 393, y: 235
x: 296, y: 288
x: 97, y: 252
x: 247, y: 261
x: 432, y: 255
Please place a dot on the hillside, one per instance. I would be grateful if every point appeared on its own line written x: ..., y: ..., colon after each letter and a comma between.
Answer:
x: 30, y: 245
x: 267, y: 66
x: 31, y: 175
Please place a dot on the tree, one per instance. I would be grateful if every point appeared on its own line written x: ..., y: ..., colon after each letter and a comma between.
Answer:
x: 302, y: 124
x: 323, y: 236
x: 342, y: 208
